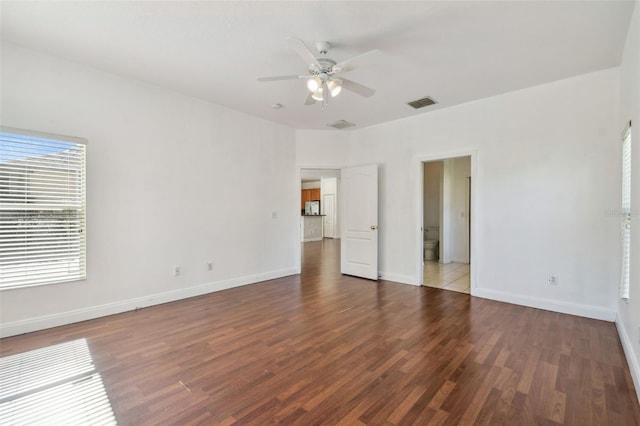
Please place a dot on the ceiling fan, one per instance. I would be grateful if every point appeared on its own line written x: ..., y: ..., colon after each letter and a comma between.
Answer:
x: 322, y: 78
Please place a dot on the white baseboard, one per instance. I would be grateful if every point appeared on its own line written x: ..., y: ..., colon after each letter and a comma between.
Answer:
x: 459, y: 260
x: 632, y: 359
x: 588, y: 311
x: 403, y: 279
x: 69, y: 317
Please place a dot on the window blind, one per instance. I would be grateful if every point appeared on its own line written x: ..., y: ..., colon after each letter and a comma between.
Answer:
x: 42, y: 209
x: 626, y: 213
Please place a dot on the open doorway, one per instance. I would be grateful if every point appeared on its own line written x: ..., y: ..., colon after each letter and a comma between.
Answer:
x: 319, y: 219
x: 351, y: 194
x: 446, y: 223
x: 321, y: 185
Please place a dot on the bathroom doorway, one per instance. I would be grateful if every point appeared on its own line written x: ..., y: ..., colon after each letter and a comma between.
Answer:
x: 446, y: 223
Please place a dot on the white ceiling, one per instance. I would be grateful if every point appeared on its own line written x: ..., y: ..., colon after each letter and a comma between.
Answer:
x: 453, y: 51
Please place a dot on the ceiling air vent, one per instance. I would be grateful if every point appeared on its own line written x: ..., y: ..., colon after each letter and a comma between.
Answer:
x: 421, y: 103
x: 340, y: 124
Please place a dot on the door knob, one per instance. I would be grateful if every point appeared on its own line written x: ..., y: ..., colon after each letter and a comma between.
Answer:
x: 373, y: 227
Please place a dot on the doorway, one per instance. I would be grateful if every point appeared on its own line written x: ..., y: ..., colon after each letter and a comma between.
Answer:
x: 446, y: 223
x: 321, y: 187
x: 356, y: 200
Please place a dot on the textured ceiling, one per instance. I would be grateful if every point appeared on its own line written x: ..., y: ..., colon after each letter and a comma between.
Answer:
x: 453, y: 51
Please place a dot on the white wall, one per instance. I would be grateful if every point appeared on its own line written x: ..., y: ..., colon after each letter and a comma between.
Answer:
x: 445, y: 215
x: 546, y: 171
x: 458, y: 239
x: 311, y: 185
x: 321, y: 149
x: 329, y: 186
x: 629, y: 313
x: 454, y: 231
x: 171, y: 180
x: 432, y: 187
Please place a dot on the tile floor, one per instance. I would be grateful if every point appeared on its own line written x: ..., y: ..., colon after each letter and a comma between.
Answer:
x: 450, y: 276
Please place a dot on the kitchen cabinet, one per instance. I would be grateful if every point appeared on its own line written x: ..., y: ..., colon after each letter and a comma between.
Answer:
x: 306, y: 196
x: 309, y: 195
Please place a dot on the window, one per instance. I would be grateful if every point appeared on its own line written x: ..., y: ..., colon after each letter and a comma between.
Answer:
x: 626, y: 212
x: 42, y: 209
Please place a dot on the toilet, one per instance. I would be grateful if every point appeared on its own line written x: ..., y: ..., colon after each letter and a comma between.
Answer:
x: 431, y: 236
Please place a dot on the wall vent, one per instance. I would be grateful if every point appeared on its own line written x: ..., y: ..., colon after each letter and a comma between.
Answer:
x: 340, y: 124
x: 421, y: 103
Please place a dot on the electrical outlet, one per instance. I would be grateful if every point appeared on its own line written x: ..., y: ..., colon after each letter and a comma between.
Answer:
x: 177, y: 271
x: 209, y: 266
x: 553, y: 279
x: 274, y: 215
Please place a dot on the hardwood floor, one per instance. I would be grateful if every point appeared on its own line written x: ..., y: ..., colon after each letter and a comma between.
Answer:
x: 321, y: 348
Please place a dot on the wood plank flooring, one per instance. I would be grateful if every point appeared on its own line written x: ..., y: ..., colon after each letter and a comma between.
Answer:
x: 321, y: 348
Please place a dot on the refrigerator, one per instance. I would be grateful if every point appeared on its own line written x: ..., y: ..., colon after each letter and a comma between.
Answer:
x: 312, y: 207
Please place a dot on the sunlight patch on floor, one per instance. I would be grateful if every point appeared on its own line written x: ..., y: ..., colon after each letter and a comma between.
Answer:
x: 56, y: 384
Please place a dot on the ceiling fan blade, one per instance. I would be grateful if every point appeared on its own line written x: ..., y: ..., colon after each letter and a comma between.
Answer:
x: 310, y: 100
x: 357, y: 88
x: 357, y: 61
x: 303, y: 51
x: 283, y: 77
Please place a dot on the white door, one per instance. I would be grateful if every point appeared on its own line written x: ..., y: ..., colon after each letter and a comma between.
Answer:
x: 329, y: 211
x: 359, y: 245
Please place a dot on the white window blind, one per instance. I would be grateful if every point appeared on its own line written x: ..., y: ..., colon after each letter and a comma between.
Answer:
x: 626, y: 212
x: 42, y: 209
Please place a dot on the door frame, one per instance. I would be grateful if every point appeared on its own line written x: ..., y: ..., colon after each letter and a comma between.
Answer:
x: 297, y: 249
x: 419, y: 161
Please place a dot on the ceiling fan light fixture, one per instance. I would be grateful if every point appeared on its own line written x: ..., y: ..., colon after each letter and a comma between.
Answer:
x: 318, y: 95
x: 313, y: 84
x: 334, y: 87
x: 321, y: 72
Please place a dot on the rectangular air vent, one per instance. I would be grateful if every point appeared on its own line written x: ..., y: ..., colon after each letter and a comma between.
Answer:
x: 421, y: 103
x: 340, y: 124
